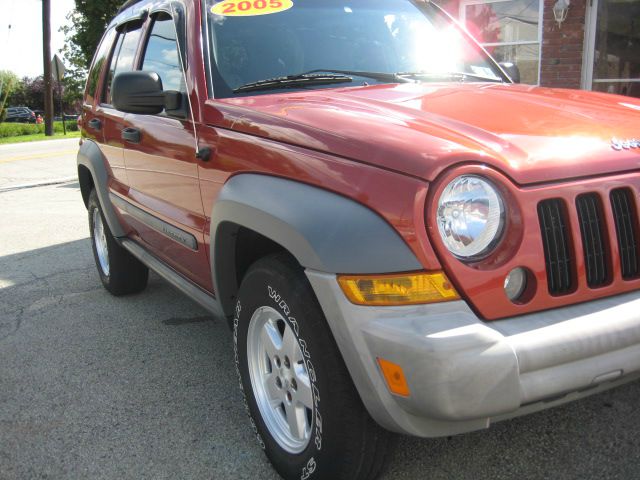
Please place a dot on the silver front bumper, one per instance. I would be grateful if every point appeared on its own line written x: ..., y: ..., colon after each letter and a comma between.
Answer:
x: 464, y: 373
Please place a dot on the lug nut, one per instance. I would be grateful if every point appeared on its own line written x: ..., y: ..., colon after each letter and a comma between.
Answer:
x: 276, y: 360
x: 294, y: 384
x: 286, y: 362
x: 289, y: 397
x: 278, y: 382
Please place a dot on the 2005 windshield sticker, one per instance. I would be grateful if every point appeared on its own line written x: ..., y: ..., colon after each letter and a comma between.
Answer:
x: 250, y: 8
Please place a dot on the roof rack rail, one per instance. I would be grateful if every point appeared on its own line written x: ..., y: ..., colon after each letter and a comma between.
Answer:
x: 127, y: 4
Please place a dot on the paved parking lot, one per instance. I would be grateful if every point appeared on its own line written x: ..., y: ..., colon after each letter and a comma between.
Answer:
x: 93, y: 386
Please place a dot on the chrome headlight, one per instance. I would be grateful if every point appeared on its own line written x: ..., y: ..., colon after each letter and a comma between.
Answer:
x: 470, y: 216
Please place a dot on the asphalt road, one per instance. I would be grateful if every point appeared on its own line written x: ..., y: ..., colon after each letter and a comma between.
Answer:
x: 30, y: 163
x: 93, y: 386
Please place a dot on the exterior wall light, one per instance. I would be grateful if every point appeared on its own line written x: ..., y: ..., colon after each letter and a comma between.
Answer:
x: 560, y: 10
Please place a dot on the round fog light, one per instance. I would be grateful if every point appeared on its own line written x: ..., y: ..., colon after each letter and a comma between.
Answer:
x: 515, y: 283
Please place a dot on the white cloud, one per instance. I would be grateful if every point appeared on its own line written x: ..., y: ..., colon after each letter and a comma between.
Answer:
x: 170, y: 55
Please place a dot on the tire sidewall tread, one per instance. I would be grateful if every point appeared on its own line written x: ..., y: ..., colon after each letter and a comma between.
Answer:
x: 343, y: 442
x: 126, y: 273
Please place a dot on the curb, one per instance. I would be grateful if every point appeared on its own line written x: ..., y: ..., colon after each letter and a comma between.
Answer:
x: 45, y: 183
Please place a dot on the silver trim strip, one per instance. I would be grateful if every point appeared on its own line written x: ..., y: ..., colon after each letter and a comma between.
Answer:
x: 184, y: 285
x: 160, y: 226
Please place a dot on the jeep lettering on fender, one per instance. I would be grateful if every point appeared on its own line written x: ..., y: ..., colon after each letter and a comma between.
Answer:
x: 401, y: 238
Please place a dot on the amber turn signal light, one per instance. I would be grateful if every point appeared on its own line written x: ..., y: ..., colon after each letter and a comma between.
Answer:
x: 403, y: 289
x: 394, y: 376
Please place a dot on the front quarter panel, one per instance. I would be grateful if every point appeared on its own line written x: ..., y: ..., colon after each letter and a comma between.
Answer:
x: 397, y: 199
x: 322, y: 230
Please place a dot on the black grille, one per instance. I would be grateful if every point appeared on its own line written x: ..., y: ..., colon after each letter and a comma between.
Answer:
x: 625, y: 218
x: 593, y: 239
x: 555, y: 238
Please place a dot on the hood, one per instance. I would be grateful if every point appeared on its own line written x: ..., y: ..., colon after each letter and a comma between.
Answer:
x: 531, y: 134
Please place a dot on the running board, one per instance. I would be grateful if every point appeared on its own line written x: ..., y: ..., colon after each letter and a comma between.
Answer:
x: 187, y: 287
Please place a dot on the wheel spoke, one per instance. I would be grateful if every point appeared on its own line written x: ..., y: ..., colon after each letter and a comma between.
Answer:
x: 289, y: 343
x: 297, y: 357
x: 271, y: 340
x: 297, y: 420
x: 303, y: 393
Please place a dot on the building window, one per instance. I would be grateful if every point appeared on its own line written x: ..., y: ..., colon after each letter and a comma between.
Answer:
x: 616, y: 59
x: 510, y: 30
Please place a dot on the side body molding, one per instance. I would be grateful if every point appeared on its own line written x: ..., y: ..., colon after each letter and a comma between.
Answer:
x: 90, y: 158
x: 324, y: 231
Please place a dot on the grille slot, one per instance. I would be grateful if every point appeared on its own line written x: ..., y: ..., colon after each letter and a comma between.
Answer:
x: 625, y: 218
x: 594, y: 242
x: 555, y: 239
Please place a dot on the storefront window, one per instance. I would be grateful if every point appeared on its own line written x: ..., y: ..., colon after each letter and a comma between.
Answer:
x: 616, y: 66
x: 509, y: 30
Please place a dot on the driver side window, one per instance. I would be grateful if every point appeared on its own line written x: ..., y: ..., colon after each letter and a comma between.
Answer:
x: 162, y: 56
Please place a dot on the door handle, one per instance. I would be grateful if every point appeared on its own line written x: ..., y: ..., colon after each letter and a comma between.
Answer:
x: 204, y: 154
x: 95, y: 124
x: 131, y: 135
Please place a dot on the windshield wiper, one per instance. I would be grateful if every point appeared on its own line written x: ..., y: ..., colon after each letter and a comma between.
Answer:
x: 462, y: 76
x: 379, y: 76
x: 292, y: 81
x: 319, y: 76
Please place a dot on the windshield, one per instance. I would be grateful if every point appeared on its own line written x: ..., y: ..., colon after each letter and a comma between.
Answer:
x: 256, y: 40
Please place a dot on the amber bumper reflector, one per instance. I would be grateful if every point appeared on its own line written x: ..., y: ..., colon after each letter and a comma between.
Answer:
x: 394, y: 376
x: 428, y: 287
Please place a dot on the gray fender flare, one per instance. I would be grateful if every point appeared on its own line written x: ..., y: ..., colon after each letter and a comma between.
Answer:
x: 91, y: 158
x: 324, y: 231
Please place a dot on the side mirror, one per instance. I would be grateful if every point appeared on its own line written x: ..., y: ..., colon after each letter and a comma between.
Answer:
x: 512, y: 70
x: 142, y: 93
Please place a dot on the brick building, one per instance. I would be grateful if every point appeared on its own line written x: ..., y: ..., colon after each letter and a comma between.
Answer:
x: 596, y: 46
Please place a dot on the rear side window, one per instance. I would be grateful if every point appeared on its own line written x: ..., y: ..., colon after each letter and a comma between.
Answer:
x: 123, y: 56
x: 162, y: 56
x: 106, y: 96
x: 98, y: 63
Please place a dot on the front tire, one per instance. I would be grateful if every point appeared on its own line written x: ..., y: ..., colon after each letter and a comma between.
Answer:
x: 303, y: 406
x: 120, y: 272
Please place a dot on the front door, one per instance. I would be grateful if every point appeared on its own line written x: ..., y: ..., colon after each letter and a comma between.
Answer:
x: 160, y: 157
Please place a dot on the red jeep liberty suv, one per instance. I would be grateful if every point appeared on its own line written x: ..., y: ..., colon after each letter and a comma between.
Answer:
x: 401, y: 238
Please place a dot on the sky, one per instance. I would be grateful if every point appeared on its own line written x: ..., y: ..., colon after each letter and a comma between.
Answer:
x: 21, y: 46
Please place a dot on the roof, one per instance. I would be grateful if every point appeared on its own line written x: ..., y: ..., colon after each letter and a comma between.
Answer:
x: 127, y: 4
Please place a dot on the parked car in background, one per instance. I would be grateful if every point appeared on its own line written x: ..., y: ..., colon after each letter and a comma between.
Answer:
x: 20, y: 114
x: 69, y: 117
x: 400, y: 237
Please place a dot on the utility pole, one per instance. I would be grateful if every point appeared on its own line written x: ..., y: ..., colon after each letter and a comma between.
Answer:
x: 46, y: 50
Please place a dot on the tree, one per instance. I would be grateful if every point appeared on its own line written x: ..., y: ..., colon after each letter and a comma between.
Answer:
x: 72, y: 92
x: 86, y: 24
x: 30, y: 93
x: 8, y: 83
x: 84, y: 29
